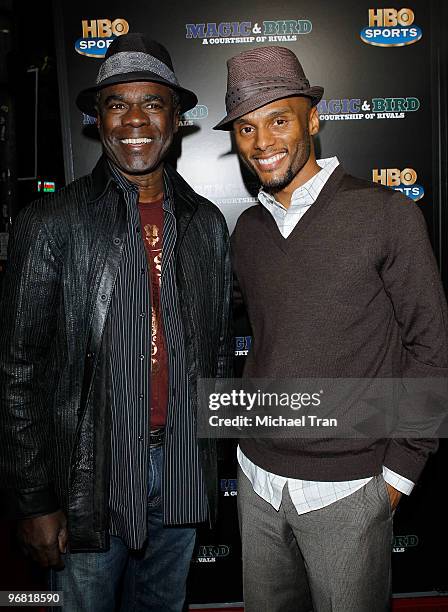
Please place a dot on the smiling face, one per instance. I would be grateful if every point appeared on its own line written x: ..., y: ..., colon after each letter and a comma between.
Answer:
x: 274, y: 141
x: 137, y: 122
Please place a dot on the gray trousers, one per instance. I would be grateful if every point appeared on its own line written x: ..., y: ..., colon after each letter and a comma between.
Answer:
x: 336, y: 559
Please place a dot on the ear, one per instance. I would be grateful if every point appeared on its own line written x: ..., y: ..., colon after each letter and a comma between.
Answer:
x: 176, y: 119
x: 98, y: 113
x: 98, y: 109
x: 313, y: 121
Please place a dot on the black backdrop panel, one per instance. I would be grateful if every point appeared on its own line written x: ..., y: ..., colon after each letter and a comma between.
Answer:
x: 379, y: 115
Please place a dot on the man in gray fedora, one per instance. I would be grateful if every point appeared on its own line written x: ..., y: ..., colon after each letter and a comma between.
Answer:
x: 339, y: 281
x: 116, y: 299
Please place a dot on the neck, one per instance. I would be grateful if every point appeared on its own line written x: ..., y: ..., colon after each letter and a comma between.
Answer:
x: 150, y: 186
x: 310, y: 169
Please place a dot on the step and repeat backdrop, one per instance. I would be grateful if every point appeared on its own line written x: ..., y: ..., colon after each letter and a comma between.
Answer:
x: 379, y: 115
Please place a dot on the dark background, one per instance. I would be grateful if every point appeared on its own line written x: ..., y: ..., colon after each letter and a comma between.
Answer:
x: 26, y: 42
x: 347, y: 69
x: 29, y: 44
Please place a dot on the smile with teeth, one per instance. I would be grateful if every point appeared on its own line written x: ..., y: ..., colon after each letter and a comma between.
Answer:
x: 269, y: 161
x: 136, y: 141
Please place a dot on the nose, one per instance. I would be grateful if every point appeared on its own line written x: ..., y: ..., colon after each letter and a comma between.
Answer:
x: 264, y: 139
x: 135, y: 116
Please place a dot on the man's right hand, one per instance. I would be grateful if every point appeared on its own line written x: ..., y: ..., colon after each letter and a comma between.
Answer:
x: 44, y: 538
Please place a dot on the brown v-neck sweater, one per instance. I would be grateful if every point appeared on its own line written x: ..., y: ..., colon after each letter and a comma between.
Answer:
x: 353, y: 292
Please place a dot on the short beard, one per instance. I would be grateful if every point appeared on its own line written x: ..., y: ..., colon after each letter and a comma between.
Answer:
x: 279, y: 183
x: 301, y: 156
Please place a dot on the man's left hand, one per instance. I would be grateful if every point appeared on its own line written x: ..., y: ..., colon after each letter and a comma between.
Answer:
x: 394, y: 496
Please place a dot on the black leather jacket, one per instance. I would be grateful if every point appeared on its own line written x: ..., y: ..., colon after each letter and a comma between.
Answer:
x: 54, y: 373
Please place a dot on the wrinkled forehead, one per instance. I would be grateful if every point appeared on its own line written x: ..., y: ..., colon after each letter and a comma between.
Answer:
x: 135, y: 88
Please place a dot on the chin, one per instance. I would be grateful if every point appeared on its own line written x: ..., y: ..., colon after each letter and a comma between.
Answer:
x: 277, y: 184
x: 141, y: 168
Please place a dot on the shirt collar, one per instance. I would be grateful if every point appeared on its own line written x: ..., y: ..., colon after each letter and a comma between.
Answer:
x: 168, y: 200
x: 105, y: 173
x: 122, y: 181
x: 307, y: 193
x: 101, y: 179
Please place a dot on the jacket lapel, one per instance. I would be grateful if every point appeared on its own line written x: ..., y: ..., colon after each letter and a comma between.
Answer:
x: 184, y: 205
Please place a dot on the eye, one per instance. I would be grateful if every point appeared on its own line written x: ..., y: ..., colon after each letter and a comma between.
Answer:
x: 154, y: 105
x: 247, y: 129
x: 116, y: 105
x: 280, y: 121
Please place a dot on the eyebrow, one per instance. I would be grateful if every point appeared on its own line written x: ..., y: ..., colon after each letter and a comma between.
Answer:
x: 271, y: 115
x: 146, y: 98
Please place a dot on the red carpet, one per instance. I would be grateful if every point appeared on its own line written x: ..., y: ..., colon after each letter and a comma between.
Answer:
x: 420, y: 604
x: 15, y: 570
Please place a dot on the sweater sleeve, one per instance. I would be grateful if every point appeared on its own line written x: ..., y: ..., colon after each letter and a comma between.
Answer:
x: 411, y: 280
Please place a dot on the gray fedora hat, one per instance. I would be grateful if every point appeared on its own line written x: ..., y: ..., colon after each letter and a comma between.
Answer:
x: 135, y: 57
x: 262, y: 75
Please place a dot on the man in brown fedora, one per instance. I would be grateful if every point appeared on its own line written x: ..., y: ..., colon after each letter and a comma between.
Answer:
x: 339, y: 281
x: 116, y: 300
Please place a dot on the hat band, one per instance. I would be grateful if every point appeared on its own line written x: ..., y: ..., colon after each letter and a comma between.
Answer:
x: 134, y: 61
x: 248, y: 89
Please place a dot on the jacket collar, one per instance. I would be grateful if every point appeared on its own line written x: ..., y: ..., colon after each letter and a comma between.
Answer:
x: 101, y: 179
x: 185, y: 199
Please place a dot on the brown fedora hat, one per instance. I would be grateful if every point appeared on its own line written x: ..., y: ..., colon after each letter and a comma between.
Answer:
x: 135, y: 57
x: 262, y: 75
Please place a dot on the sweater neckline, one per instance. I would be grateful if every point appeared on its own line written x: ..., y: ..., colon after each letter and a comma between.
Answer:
x: 321, y: 202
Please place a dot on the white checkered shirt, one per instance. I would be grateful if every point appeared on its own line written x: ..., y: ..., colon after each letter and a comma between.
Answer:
x: 301, y: 199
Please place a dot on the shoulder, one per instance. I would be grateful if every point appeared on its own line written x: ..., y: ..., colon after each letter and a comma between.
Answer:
x: 205, y: 211
x: 208, y: 210
x: 250, y: 216
x: 387, y: 202
x: 363, y: 190
x: 248, y: 221
x: 54, y: 205
x: 52, y: 215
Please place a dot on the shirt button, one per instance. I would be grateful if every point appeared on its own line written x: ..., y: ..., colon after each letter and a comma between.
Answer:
x: 141, y: 357
x: 142, y: 270
x: 143, y: 315
x: 117, y: 241
x: 103, y: 298
x: 141, y: 396
x: 140, y: 438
